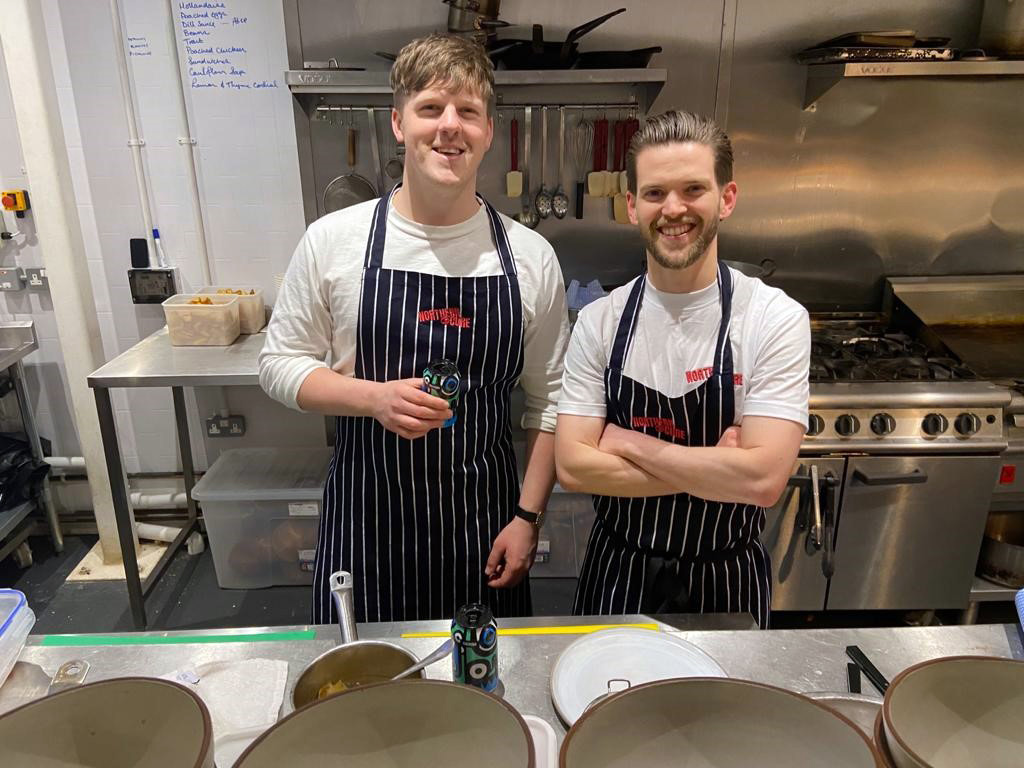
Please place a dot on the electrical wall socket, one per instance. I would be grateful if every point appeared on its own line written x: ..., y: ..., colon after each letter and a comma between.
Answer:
x: 11, y: 279
x: 225, y: 426
x: 152, y: 286
x: 36, y: 279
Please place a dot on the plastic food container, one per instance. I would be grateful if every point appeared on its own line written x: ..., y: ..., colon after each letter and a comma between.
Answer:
x: 262, y: 511
x: 252, y: 315
x: 16, y: 621
x: 203, y: 325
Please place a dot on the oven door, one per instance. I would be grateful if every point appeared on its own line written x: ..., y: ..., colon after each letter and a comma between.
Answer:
x: 798, y: 581
x: 910, y: 529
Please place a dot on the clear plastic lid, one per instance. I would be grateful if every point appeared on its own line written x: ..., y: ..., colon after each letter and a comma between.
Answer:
x: 266, y: 474
x: 11, y: 602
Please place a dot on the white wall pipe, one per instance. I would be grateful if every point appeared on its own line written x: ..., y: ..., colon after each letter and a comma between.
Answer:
x: 155, y: 532
x: 134, y: 142
x: 66, y: 463
x: 55, y: 212
x: 149, y: 500
x: 188, y: 142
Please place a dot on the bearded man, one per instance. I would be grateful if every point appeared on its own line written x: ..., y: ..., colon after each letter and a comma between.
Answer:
x: 684, y: 398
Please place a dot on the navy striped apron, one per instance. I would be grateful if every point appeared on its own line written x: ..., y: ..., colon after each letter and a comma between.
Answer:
x: 414, y: 520
x: 678, y: 553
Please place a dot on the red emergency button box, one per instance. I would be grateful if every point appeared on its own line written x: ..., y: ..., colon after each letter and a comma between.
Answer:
x: 1008, y: 474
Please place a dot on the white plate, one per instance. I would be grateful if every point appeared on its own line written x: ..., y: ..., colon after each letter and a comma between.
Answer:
x: 545, y: 742
x: 582, y: 672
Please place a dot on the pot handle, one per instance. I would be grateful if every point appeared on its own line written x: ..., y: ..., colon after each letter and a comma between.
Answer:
x: 341, y: 590
x: 577, y: 32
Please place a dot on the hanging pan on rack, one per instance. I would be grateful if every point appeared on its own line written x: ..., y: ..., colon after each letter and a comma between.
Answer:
x: 537, y: 53
x: 349, y: 188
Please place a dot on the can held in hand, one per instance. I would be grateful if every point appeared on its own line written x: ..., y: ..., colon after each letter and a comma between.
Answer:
x: 441, y: 378
x: 475, y: 655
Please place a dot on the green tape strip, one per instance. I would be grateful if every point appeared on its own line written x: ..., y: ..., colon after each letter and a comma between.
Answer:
x: 254, y: 637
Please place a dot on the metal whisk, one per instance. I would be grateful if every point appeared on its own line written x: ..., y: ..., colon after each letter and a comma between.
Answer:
x: 582, y: 151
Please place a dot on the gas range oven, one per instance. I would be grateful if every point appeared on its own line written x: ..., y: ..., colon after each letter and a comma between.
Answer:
x: 887, y: 504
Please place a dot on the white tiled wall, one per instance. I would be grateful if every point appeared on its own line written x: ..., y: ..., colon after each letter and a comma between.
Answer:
x: 249, y: 183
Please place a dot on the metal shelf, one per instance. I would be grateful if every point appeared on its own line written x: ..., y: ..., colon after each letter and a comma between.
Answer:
x: 9, y: 518
x: 985, y: 591
x: 306, y: 84
x: 821, y: 78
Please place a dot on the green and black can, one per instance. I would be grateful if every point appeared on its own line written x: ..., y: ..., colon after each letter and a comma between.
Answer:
x: 475, y: 655
x: 441, y: 378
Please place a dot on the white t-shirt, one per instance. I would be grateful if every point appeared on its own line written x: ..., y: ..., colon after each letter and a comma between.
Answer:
x: 315, y: 319
x: 673, y: 348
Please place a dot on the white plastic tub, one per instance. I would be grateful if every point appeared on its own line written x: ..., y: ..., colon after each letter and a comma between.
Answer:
x: 203, y: 325
x: 252, y: 315
x: 16, y: 621
x: 262, y: 509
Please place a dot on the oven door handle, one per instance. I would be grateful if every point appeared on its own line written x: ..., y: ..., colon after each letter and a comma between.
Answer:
x: 900, y: 478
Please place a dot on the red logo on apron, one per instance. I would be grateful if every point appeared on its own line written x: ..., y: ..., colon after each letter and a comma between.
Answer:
x: 665, y: 426
x: 700, y: 374
x: 447, y: 316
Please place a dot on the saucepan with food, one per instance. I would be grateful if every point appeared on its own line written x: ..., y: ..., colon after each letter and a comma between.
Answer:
x: 353, y: 663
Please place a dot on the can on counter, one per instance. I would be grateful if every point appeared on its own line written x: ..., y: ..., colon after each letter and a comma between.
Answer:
x: 441, y: 378
x: 475, y: 652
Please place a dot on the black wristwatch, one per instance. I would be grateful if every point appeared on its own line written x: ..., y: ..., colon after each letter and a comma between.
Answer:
x: 535, y: 518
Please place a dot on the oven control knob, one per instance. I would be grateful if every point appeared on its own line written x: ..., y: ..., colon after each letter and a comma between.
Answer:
x: 847, y: 425
x: 966, y: 424
x: 934, y: 424
x: 882, y: 424
x: 815, y: 425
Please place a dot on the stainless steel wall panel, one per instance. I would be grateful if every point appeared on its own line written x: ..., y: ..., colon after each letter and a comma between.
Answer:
x: 887, y: 176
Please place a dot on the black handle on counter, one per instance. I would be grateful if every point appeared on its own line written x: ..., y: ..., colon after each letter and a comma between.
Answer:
x: 580, y: 186
x: 853, y: 677
x: 870, y: 670
x: 900, y: 478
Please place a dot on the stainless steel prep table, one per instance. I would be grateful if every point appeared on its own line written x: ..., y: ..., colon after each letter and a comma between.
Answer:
x: 155, y: 362
x: 801, y: 660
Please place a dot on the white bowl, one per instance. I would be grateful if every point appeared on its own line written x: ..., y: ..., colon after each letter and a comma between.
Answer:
x: 714, y: 723
x: 127, y: 722
x: 955, y: 712
x: 406, y: 724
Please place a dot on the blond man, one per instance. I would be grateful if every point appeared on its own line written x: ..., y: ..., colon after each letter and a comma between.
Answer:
x: 427, y: 517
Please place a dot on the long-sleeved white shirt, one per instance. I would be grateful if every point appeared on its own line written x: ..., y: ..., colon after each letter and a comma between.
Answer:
x: 315, y: 318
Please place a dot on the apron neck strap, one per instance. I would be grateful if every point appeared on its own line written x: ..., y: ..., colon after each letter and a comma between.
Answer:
x: 631, y: 313
x: 374, y: 258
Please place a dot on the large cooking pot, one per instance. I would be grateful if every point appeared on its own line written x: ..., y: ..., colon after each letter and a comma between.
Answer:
x: 714, y: 723
x: 399, y: 725
x: 957, y: 711
x: 128, y: 722
x: 1002, y: 549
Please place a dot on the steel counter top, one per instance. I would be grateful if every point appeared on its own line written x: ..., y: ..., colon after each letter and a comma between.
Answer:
x: 155, y: 362
x: 801, y: 660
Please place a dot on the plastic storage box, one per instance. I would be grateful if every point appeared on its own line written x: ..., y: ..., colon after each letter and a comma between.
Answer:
x: 252, y: 314
x: 16, y: 621
x: 203, y: 325
x: 262, y: 508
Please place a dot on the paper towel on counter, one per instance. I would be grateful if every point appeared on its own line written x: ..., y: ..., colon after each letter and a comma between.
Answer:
x: 241, y: 695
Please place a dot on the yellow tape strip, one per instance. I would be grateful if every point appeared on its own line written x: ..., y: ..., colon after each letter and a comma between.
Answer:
x: 578, y: 629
